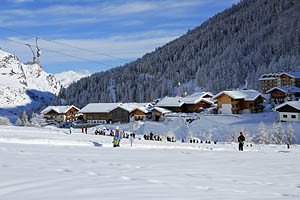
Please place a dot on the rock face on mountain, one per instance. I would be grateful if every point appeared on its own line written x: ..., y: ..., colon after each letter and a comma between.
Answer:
x: 230, y: 50
x: 23, y: 86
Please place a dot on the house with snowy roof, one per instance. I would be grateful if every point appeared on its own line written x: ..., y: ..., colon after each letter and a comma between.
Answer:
x: 158, y: 113
x: 195, y: 102
x: 289, y: 111
x: 187, y: 104
x: 283, y: 79
x: 237, y: 102
x: 61, y: 113
x: 140, y: 114
x: 174, y: 104
x: 98, y: 112
x: 110, y: 112
x: 279, y: 94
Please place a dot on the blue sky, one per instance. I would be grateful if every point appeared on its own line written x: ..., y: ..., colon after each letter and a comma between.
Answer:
x: 107, y: 33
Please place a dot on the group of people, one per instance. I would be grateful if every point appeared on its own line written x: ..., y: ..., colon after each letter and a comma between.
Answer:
x: 153, y: 137
x: 171, y: 139
x: 118, y: 135
x: 84, y: 130
x: 202, y: 142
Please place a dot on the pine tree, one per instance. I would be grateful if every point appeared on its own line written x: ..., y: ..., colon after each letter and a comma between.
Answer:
x: 263, y: 136
x: 278, y: 135
x: 290, y: 137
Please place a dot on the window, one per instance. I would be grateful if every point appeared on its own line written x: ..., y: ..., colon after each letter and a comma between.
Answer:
x: 293, y: 116
x: 284, y: 116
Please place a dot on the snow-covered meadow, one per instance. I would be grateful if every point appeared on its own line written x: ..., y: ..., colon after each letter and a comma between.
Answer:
x: 48, y: 163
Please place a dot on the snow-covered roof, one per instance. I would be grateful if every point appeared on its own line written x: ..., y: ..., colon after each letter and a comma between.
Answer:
x: 161, y: 110
x: 99, y: 107
x: 58, y: 109
x: 291, y: 89
x: 292, y: 74
x: 170, y: 102
x: 208, y: 100
x: 294, y: 104
x: 142, y: 109
x: 196, y: 97
x: 247, y: 95
x: 268, y: 78
x: 199, y: 95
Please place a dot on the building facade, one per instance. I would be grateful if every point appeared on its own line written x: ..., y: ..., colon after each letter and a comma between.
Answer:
x: 283, y: 79
x: 289, y: 111
x: 238, y: 102
x: 61, y: 113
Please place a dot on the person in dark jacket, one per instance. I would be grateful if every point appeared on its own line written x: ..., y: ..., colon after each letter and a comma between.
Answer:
x: 241, y: 140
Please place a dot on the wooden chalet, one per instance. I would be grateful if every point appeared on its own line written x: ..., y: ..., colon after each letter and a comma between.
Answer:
x: 98, y: 112
x: 174, y: 104
x: 289, y: 111
x: 284, y: 79
x: 110, y: 112
x: 61, y: 113
x: 280, y: 94
x: 120, y: 114
x: 140, y: 114
x: 237, y: 102
x: 268, y: 81
x: 159, y: 113
x: 195, y: 102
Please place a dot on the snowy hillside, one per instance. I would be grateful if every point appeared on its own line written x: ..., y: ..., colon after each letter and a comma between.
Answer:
x: 66, y: 78
x: 47, y: 163
x: 22, y: 85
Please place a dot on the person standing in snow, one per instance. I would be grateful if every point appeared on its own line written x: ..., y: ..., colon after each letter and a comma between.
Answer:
x: 241, y: 140
x: 70, y: 130
x: 117, y: 137
x: 85, y: 130
x: 131, y: 138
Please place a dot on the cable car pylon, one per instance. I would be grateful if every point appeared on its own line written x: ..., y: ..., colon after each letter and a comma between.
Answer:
x: 38, y: 53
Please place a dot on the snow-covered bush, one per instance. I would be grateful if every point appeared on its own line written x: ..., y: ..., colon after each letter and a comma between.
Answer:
x: 263, y: 136
x: 4, y: 121
x: 23, y: 120
x: 277, y: 135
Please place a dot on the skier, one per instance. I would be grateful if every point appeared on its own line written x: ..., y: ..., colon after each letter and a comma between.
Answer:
x: 117, y: 137
x: 70, y: 130
x: 85, y: 130
x: 241, y: 140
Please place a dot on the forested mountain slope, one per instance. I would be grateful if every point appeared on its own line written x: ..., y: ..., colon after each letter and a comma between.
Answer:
x: 230, y: 50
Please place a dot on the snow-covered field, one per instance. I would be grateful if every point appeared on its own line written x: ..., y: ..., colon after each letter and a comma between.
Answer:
x: 46, y: 163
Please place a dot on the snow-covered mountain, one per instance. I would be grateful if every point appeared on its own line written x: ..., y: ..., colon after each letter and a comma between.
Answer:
x: 68, y: 77
x: 22, y: 86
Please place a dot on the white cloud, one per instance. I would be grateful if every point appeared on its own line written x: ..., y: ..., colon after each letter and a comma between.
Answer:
x: 121, y: 46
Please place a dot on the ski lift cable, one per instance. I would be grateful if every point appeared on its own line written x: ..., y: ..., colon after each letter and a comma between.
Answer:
x: 93, y: 61
x: 60, y: 43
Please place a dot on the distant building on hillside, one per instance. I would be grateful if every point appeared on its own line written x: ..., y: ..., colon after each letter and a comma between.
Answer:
x: 289, y: 111
x: 279, y: 94
x: 283, y: 79
x: 61, y: 113
x: 237, y: 102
